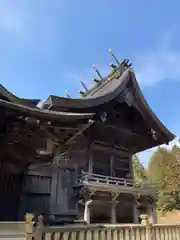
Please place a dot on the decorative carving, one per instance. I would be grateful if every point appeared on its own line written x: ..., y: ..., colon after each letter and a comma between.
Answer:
x: 154, y: 134
x: 29, y: 218
x: 83, y: 194
x: 137, y: 200
x: 129, y: 97
x: 145, y: 220
x: 151, y: 200
x: 103, y: 117
x: 114, y: 196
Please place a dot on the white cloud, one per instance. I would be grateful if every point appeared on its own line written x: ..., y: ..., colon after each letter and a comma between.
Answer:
x: 37, y: 23
x: 151, y: 66
x: 158, y: 64
x: 154, y: 66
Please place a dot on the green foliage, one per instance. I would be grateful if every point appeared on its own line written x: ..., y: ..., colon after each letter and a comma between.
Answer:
x: 165, y: 202
x: 140, y: 174
x: 163, y: 173
x: 157, y: 168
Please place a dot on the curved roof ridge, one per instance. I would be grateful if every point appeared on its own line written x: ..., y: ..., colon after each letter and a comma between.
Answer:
x: 44, y: 112
x: 148, y: 108
x: 13, y: 98
x: 8, y: 95
x: 112, y: 89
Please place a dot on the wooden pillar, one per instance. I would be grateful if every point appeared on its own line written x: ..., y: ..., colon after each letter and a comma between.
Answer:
x: 90, y: 167
x: 87, y: 213
x: 50, y: 145
x: 131, y: 168
x: 54, y: 183
x: 135, y: 213
x: 113, y: 212
x: 112, y: 166
x: 89, y: 155
x: 152, y: 213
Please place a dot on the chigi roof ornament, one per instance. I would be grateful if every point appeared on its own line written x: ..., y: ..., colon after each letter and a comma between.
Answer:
x: 97, y: 71
x: 84, y: 86
x: 96, y: 80
x: 126, y: 63
x: 112, y: 65
x: 115, y: 58
x: 82, y: 93
x: 67, y: 94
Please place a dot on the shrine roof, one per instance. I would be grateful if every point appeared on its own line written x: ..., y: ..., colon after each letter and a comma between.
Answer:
x: 44, y: 113
x: 119, y: 86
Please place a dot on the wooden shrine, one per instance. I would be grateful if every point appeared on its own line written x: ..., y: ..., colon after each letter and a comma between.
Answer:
x: 71, y: 159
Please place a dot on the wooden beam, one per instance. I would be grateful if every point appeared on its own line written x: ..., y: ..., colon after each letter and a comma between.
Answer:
x: 109, y: 148
x: 52, y: 135
x: 61, y: 127
x: 51, y: 124
x: 116, y: 128
x: 78, y: 133
x: 118, y: 113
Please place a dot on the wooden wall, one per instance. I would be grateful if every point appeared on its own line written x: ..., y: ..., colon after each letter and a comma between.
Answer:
x: 48, y: 190
x: 36, y: 190
x: 111, y: 163
x: 10, y: 185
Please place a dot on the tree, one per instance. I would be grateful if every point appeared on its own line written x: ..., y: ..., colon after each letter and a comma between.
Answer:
x: 156, y: 168
x: 140, y: 174
x: 164, y: 174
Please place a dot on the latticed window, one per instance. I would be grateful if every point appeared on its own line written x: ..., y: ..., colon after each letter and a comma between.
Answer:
x: 63, y: 161
x: 101, y: 163
x: 42, y: 144
x: 121, y: 166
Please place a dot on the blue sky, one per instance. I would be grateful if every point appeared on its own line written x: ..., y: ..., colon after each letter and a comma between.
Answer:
x: 46, y: 47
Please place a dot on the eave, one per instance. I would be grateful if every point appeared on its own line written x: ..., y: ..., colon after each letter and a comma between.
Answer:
x: 44, y: 114
x: 149, y: 115
x: 113, y: 89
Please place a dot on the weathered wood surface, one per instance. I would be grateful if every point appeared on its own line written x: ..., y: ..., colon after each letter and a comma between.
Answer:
x: 116, y: 232
x: 13, y: 230
x: 145, y: 231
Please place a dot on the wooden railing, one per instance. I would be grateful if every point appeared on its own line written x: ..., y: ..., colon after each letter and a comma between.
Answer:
x: 91, y: 178
x: 101, y: 179
x: 116, y: 232
x: 144, y: 231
